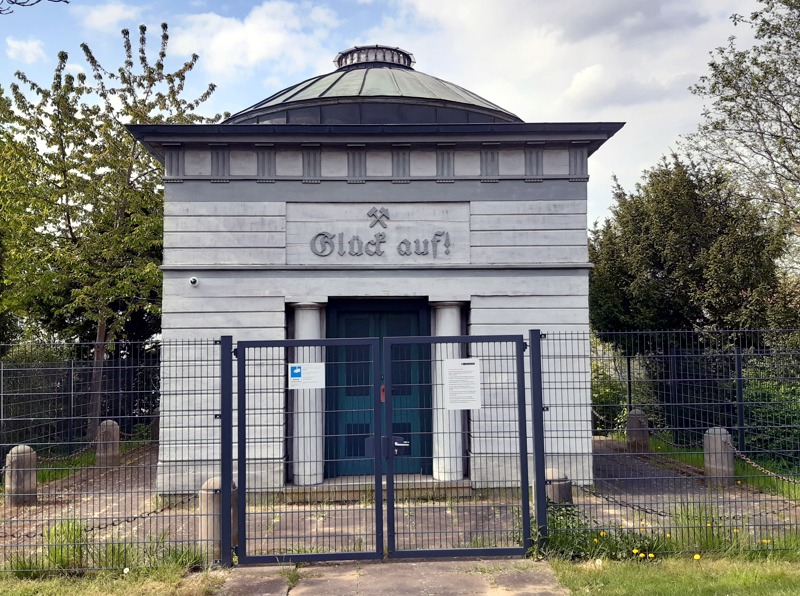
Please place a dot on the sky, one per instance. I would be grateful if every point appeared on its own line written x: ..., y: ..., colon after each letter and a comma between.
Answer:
x: 629, y: 61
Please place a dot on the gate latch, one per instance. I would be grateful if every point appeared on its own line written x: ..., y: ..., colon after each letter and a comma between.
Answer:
x: 401, y: 446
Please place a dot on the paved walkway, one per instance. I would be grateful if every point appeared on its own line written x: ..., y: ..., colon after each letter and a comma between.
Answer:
x: 494, y: 577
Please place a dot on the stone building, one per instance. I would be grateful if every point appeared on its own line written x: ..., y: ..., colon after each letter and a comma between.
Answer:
x: 373, y: 200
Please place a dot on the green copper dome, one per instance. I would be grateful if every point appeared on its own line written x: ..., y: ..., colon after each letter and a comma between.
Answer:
x: 373, y: 85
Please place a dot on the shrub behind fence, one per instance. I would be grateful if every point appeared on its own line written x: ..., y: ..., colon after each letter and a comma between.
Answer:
x: 95, y: 505
x: 742, y: 389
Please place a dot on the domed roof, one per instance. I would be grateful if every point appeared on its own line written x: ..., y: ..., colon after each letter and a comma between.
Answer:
x: 373, y: 85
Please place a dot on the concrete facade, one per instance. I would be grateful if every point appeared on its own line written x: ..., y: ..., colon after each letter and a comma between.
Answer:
x: 487, y: 222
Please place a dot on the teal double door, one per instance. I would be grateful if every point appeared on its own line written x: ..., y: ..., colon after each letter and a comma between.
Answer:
x: 350, y: 401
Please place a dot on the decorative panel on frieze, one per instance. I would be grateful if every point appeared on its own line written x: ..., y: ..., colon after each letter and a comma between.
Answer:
x: 369, y: 235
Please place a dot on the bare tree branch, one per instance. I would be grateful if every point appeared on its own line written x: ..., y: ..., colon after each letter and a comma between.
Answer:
x: 7, y: 6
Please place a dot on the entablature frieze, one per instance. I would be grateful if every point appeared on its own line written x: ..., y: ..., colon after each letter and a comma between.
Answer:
x: 358, y: 163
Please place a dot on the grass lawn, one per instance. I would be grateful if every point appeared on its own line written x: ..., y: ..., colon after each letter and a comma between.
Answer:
x: 163, y: 581
x: 684, y: 576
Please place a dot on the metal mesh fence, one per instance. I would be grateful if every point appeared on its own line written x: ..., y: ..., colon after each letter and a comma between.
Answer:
x: 655, y: 441
x: 85, y: 478
x: 692, y: 441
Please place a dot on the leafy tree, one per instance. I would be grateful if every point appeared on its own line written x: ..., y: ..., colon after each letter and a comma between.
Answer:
x: 685, y: 250
x: 752, y: 119
x: 85, y: 220
x: 85, y: 234
x: 7, y: 6
x: 7, y: 326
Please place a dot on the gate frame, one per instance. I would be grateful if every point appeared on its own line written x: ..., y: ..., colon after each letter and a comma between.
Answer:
x: 380, y: 377
x: 520, y: 346
x: 244, y: 557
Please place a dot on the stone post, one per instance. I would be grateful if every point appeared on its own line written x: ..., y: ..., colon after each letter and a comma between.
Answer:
x: 718, y: 457
x: 557, y: 486
x: 20, y: 482
x: 209, y: 533
x: 638, y: 435
x: 155, y: 425
x: 108, y: 445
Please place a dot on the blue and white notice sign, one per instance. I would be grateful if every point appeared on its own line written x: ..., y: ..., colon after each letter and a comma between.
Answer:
x: 307, y: 375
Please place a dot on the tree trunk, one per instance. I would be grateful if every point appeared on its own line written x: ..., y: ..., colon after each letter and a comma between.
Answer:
x: 96, y: 403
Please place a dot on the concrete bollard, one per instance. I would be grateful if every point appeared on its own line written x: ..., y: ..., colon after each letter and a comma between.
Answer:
x: 209, y: 532
x: 108, y: 445
x: 20, y: 481
x: 155, y: 425
x: 557, y: 486
x: 718, y: 457
x: 638, y: 434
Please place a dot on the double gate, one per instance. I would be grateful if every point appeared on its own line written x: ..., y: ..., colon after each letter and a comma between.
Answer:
x: 368, y: 448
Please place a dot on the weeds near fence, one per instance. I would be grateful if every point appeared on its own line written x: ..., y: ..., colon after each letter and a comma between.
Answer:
x: 571, y: 537
x: 68, y: 552
x: 696, y: 531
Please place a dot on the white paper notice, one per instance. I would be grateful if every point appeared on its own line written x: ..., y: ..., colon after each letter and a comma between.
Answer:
x: 307, y: 375
x: 462, y: 384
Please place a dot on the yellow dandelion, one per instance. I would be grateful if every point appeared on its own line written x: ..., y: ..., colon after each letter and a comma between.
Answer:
x: 709, y: 525
x: 641, y: 555
x: 651, y: 556
x: 602, y: 533
x: 736, y: 530
x: 595, y: 540
x: 635, y: 551
x: 697, y: 556
x: 765, y: 541
x: 668, y: 536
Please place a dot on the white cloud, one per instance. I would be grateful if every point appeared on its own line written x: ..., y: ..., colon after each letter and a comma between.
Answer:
x: 27, y: 51
x: 107, y: 17
x: 276, y: 35
x: 572, y: 60
x: 74, y: 68
x: 598, y: 86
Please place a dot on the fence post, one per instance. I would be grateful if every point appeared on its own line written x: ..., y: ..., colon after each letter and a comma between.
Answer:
x: 108, y: 445
x: 20, y: 481
x: 740, y: 399
x: 718, y: 457
x: 537, y: 423
x: 675, y: 423
x: 630, y: 389
x: 71, y: 408
x: 228, y: 525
